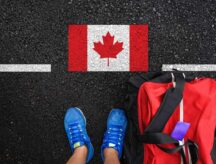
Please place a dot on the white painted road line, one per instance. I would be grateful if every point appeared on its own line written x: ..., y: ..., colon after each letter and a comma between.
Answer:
x: 25, y: 67
x: 189, y: 67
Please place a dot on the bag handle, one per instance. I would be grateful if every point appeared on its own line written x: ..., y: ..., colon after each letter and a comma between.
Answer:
x: 171, y: 100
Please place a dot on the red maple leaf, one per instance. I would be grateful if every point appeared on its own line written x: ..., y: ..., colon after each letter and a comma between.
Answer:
x: 107, y: 49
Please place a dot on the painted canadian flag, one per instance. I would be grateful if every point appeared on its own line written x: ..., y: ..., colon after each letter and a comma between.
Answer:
x: 108, y: 48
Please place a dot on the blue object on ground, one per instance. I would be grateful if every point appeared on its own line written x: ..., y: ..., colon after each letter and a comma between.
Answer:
x: 114, y: 135
x: 75, y: 127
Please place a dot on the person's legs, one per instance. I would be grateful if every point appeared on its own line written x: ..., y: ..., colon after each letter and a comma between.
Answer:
x: 111, y: 156
x: 79, y: 156
x: 75, y: 127
x: 111, y: 149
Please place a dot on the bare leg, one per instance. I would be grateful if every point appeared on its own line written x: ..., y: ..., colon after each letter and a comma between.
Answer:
x: 79, y: 156
x: 111, y: 156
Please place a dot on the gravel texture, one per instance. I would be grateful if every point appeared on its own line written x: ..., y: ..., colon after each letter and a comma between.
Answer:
x: 32, y: 105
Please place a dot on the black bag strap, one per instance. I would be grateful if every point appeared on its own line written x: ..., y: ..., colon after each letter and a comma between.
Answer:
x: 161, y: 138
x: 157, y: 138
x: 193, y: 148
x: 171, y: 100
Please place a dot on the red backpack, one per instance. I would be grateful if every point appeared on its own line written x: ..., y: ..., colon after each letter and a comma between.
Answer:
x: 172, y: 119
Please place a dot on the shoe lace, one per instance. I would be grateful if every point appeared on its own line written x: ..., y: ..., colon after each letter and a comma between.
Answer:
x: 76, y: 133
x: 115, y: 134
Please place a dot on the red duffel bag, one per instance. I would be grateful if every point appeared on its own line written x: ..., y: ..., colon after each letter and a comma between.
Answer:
x: 176, y: 120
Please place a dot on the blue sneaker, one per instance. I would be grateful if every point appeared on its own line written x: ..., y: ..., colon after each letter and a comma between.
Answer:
x: 114, y: 135
x: 75, y: 127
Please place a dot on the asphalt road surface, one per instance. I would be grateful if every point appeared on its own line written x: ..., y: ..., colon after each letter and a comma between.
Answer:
x: 32, y: 105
